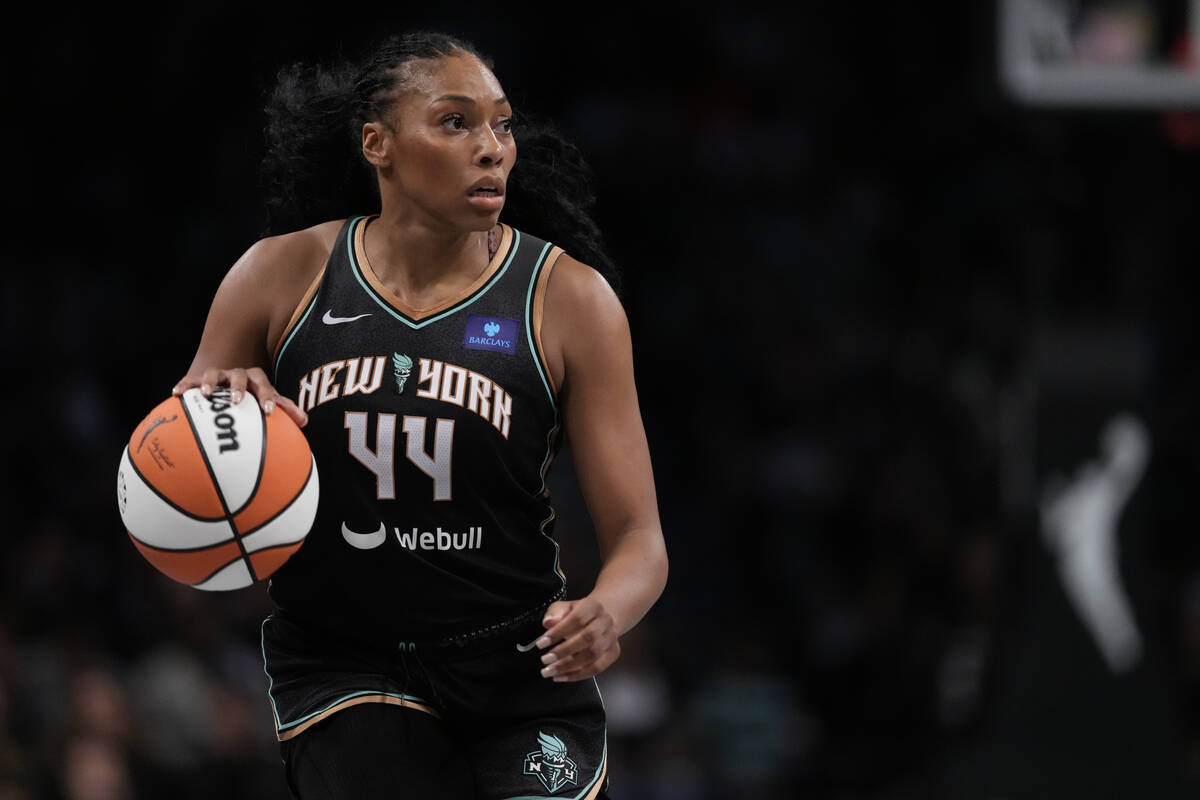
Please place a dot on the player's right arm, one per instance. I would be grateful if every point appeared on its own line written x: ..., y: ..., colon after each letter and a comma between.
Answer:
x: 251, y: 307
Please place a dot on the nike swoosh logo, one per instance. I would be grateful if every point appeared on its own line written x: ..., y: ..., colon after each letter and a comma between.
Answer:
x: 525, y: 648
x: 330, y: 319
x: 364, y: 541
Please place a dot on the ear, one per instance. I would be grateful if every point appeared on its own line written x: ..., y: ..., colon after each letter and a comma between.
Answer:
x: 375, y: 144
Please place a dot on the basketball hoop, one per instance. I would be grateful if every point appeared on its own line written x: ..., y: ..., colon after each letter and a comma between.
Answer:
x: 1102, y: 55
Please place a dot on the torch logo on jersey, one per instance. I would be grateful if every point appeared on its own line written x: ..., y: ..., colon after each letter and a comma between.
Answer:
x: 402, y: 366
x: 551, y: 764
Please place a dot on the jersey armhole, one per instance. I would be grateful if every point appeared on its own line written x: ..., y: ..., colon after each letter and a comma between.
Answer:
x: 296, y: 315
x: 538, y: 306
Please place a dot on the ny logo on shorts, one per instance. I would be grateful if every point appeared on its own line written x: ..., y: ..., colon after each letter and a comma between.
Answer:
x: 551, y: 764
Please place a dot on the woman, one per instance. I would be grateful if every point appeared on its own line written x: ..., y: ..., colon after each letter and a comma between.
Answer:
x: 421, y: 643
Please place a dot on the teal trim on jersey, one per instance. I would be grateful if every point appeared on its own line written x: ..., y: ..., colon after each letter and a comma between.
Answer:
x: 591, y: 784
x: 280, y: 726
x: 539, y: 265
x: 557, y: 550
x: 356, y: 268
x: 292, y: 335
x: 343, y: 699
x: 533, y: 348
x: 549, y: 450
x: 262, y: 643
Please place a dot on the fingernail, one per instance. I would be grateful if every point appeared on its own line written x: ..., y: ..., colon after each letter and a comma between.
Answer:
x: 268, y: 406
x: 560, y: 679
x: 206, y: 390
x: 236, y: 397
x: 549, y: 671
x: 549, y: 658
x: 543, y: 642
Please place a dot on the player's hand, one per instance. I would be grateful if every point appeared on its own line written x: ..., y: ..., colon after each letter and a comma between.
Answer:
x: 240, y: 381
x: 580, y: 640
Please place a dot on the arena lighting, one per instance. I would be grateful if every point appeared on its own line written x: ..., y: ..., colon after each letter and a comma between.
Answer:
x: 1079, y: 520
x: 1041, y: 62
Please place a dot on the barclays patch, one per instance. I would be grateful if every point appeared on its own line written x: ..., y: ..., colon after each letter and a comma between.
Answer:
x: 491, y: 333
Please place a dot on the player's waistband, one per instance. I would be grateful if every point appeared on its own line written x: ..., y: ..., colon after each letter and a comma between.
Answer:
x: 524, y: 627
x: 521, y: 629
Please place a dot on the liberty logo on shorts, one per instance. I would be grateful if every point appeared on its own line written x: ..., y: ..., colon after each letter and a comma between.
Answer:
x: 491, y: 333
x: 402, y: 365
x: 551, y: 764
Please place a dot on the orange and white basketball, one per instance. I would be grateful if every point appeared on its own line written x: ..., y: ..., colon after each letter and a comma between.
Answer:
x: 217, y: 495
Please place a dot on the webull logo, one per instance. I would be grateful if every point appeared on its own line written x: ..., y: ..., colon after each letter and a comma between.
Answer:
x: 416, y: 539
x: 440, y: 539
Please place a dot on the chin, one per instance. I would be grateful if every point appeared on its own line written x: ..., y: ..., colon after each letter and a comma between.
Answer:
x: 484, y: 222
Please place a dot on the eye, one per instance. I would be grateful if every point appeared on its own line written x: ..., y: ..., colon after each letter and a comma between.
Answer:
x: 505, y: 125
x: 454, y: 121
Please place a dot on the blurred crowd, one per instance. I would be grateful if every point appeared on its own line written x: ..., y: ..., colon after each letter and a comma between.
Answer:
x: 856, y: 275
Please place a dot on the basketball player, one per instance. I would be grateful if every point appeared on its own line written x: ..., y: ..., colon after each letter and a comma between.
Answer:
x: 421, y: 642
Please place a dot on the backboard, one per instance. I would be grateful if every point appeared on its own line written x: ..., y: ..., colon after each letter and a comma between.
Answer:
x: 1114, y: 54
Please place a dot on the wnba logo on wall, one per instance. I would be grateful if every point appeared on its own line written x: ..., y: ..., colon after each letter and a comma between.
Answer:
x: 491, y: 333
x: 551, y: 764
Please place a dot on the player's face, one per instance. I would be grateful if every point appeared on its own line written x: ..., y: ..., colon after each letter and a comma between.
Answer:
x: 451, y: 142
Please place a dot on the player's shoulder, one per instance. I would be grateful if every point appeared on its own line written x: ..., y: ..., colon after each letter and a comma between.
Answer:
x: 574, y: 282
x: 292, y: 251
x: 276, y: 270
x: 578, y: 296
x: 283, y: 265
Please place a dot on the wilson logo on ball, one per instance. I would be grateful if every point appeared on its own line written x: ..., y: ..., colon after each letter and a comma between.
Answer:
x: 226, y: 425
x: 215, y: 494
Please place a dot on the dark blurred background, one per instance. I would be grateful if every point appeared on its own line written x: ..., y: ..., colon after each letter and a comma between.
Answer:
x: 913, y: 352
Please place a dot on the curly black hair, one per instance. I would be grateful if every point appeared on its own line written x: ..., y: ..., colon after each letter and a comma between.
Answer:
x: 313, y: 169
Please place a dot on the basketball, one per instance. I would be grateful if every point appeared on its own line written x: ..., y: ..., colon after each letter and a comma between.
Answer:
x: 214, y: 494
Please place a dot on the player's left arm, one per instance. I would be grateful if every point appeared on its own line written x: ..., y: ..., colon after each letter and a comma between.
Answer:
x: 593, y: 355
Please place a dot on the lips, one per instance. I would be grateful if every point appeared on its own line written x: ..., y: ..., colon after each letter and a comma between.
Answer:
x: 488, y: 187
x: 487, y: 195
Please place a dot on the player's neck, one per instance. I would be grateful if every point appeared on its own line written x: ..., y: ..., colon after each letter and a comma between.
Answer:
x: 417, y: 262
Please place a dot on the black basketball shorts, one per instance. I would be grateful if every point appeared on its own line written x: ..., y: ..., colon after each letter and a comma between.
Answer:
x: 463, y: 718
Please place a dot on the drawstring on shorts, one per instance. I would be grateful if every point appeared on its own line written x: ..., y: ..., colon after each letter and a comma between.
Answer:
x: 481, y: 640
x: 410, y: 648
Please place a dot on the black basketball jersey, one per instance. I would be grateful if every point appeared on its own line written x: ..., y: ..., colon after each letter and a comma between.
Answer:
x: 432, y: 432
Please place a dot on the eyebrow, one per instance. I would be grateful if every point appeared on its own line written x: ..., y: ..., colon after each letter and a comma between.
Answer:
x: 462, y: 98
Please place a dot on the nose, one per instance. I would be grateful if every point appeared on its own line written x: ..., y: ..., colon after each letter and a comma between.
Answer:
x: 491, y: 151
